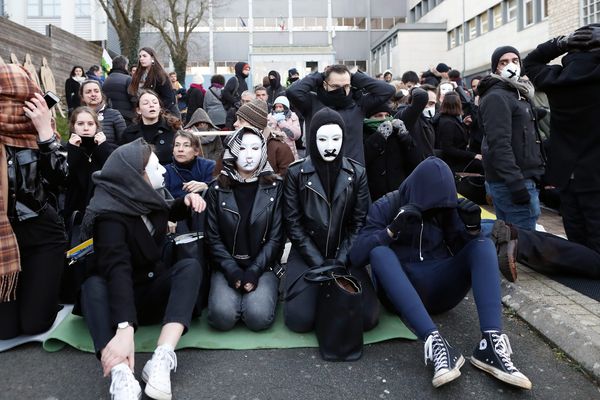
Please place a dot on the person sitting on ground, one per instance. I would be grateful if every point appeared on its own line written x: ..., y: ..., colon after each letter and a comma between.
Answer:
x: 326, y: 198
x: 244, y: 203
x: 425, y: 250
x: 154, y: 125
x: 254, y: 114
x: 32, y: 234
x: 189, y: 172
x: 284, y: 123
x: 130, y: 285
x: 212, y: 146
x: 113, y: 123
x: 87, y: 151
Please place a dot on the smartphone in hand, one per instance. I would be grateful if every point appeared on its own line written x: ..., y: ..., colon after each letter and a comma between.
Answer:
x: 51, y: 99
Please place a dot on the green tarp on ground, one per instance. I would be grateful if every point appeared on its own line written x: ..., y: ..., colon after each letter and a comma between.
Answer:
x: 73, y: 332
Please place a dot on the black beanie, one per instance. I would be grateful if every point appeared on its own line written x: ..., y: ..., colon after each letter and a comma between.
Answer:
x: 327, y: 170
x: 499, y: 52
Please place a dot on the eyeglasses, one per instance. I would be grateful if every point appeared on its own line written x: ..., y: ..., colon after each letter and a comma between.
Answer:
x: 336, y: 87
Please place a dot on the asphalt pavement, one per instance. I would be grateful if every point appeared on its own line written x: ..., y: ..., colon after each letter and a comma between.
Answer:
x: 390, y: 370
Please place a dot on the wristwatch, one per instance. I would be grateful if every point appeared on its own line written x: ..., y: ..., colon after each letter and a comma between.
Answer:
x: 123, y: 325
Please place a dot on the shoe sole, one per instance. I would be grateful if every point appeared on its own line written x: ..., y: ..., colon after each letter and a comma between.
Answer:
x: 450, y: 375
x: 152, y: 392
x: 501, y: 375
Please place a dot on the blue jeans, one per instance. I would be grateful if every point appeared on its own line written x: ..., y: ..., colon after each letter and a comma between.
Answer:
x: 419, y: 289
x: 227, y: 305
x: 523, y: 216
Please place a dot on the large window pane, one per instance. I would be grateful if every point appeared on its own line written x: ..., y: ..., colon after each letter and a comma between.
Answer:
x: 484, y: 22
x: 512, y: 9
x: 528, y: 13
x: 497, y: 15
x: 472, y: 24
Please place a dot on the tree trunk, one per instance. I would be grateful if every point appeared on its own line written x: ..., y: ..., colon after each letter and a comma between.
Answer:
x: 179, y: 55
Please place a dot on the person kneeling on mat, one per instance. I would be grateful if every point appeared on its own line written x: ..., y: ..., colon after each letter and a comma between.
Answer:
x: 426, y: 259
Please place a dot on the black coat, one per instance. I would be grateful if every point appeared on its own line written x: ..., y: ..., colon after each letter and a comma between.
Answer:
x: 274, y: 92
x: 162, y: 140
x: 573, y: 91
x: 235, y: 86
x: 115, y: 89
x: 452, y: 139
x: 113, y: 124
x: 320, y: 230
x: 195, y: 100
x: 165, y: 93
x: 511, y: 145
x: 367, y: 92
x: 389, y: 162
x: 266, y: 242
x: 80, y: 188
x: 419, y: 127
x: 127, y: 255
x: 72, y: 94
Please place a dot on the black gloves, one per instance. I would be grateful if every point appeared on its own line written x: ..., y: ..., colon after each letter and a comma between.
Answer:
x: 470, y: 213
x: 520, y: 196
x: 233, y: 277
x: 395, y: 126
x: 407, y: 215
x: 250, y: 276
x: 583, y: 39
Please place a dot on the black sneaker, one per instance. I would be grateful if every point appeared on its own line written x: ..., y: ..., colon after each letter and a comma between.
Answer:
x: 446, y: 361
x: 493, y: 356
x: 506, y: 248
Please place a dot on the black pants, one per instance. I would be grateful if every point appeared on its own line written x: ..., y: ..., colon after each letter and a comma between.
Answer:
x: 170, y: 297
x: 42, y: 244
x: 551, y: 254
x: 299, y: 313
x: 581, y: 217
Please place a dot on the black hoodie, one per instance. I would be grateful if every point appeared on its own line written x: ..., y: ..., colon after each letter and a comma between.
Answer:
x: 230, y: 95
x: 275, y: 89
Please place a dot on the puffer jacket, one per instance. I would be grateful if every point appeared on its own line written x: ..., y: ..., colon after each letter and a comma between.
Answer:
x: 319, y: 229
x: 113, y: 124
x: 512, y: 147
x: 265, y: 245
x: 115, y: 88
x: 28, y: 172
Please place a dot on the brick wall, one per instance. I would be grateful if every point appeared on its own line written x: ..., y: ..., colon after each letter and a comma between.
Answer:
x: 564, y: 16
x: 61, y: 49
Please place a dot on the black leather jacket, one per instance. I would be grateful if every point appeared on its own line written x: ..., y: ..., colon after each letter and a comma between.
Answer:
x: 266, y: 241
x: 318, y: 229
x: 28, y: 171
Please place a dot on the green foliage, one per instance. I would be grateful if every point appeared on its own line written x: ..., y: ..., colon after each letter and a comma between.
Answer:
x: 62, y: 126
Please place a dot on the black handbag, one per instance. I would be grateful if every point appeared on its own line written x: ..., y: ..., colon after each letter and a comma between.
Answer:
x: 471, y: 186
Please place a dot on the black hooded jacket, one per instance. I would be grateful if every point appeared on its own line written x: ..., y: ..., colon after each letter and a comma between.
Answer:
x: 511, y: 145
x: 235, y: 86
x: 420, y: 128
x: 573, y: 91
x: 275, y: 89
x: 319, y: 228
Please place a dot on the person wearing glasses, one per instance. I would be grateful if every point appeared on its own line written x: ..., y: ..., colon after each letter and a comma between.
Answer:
x: 352, y: 95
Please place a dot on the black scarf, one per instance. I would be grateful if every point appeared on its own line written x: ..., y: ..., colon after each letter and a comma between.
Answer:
x: 336, y: 99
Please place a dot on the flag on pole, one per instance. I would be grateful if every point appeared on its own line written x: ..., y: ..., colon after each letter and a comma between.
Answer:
x: 106, y: 62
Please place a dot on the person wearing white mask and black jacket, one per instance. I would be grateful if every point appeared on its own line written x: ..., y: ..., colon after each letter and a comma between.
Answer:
x: 512, y: 151
x: 326, y: 199
x: 417, y: 118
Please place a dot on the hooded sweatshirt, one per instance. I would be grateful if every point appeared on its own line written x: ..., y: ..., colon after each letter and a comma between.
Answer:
x: 230, y: 95
x: 275, y: 89
x: 430, y: 187
x: 327, y: 170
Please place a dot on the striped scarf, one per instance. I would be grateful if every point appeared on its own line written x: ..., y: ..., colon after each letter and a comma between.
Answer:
x: 232, y: 152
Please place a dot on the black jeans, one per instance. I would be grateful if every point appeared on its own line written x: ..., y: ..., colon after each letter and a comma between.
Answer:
x: 171, y: 297
x: 581, y: 217
x: 42, y: 244
x: 299, y: 313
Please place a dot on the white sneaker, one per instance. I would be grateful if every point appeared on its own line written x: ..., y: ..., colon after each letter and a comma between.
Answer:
x: 157, y: 373
x: 123, y: 385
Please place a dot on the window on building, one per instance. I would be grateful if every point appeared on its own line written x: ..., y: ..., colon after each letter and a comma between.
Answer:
x: 361, y: 23
x: 395, y: 41
x: 528, y: 17
x: 43, y: 8
x: 484, y: 22
x: 544, y: 4
x: 591, y: 11
x: 425, y: 6
x: 452, y: 39
x: 511, y: 7
x: 375, y: 23
x: 387, y: 23
x: 418, y: 13
x: 459, y: 36
x: 497, y: 16
x: 472, y: 25
x: 298, y: 22
x: 82, y: 8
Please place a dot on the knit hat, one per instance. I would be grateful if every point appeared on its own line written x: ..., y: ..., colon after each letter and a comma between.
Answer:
x: 292, y: 71
x: 198, y: 79
x: 499, y: 52
x: 254, y: 112
x: 441, y: 67
x: 283, y: 101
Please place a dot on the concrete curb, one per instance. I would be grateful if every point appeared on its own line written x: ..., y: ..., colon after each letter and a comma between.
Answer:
x: 565, y: 317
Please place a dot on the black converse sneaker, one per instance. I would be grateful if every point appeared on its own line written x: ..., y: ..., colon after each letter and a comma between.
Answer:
x: 446, y: 361
x: 493, y: 356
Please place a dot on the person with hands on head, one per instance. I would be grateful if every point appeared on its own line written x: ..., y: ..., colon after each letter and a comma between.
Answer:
x: 130, y: 284
x: 245, y: 235
x: 417, y: 117
x: 32, y: 235
x: 351, y: 95
x: 326, y: 198
x: 87, y: 151
x: 426, y: 253
x: 512, y: 152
